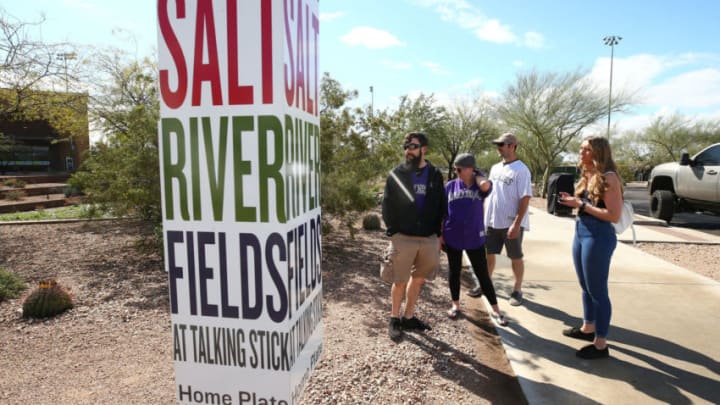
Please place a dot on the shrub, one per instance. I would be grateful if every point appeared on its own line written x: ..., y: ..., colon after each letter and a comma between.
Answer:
x: 48, y: 299
x: 14, y: 183
x: 371, y: 222
x: 11, y: 286
x: 71, y: 191
x: 14, y: 195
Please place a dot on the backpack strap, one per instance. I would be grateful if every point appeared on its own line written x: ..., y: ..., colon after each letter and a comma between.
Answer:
x: 402, y: 186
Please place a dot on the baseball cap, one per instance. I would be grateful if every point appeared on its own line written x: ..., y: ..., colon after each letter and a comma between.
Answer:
x: 506, y: 138
x: 465, y: 160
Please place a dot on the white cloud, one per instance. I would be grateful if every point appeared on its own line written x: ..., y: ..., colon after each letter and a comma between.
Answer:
x: 468, y: 17
x: 534, y: 40
x: 331, y: 16
x: 435, y: 68
x: 693, y: 89
x: 372, y: 38
x: 681, y: 82
x: 493, y: 31
x: 396, y: 65
x: 518, y: 63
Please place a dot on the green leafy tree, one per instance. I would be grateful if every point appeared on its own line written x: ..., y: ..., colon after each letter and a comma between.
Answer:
x: 346, y: 180
x: 37, y: 78
x: 121, y: 173
x: 549, y: 110
x: 668, y: 136
x: 387, y: 128
x: 469, y: 128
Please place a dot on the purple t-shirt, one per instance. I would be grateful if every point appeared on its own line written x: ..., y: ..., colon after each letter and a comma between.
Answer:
x: 464, y: 225
x: 419, y: 180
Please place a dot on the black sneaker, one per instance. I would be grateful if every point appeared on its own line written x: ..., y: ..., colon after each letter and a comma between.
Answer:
x: 516, y: 298
x: 590, y: 352
x: 576, y: 333
x: 395, y: 329
x: 475, y: 292
x: 414, y: 324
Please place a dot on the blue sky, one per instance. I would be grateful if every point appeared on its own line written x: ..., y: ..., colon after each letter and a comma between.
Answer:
x: 458, y: 49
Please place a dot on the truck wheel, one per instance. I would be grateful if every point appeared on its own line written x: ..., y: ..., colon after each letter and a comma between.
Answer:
x: 662, y: 205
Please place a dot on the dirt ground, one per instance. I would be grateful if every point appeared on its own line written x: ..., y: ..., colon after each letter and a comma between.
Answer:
x: 115, y: 346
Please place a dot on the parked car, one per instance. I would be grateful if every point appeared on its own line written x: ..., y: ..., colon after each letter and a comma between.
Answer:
x: 693, y: 184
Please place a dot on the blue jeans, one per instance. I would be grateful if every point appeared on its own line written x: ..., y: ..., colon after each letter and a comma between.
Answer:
x: 593, y: 246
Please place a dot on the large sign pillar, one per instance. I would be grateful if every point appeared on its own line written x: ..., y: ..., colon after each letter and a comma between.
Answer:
x: 239, y: 145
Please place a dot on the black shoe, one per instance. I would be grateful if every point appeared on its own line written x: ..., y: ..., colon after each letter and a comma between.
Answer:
x: 516, y: 298
x: 475, y: 292
x: 590, y: 352
x: 414, y: 324
x: 576, y: 333
x: 395, y: 329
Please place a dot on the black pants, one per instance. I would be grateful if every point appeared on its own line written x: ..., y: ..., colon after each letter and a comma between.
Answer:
x: 478, y: 260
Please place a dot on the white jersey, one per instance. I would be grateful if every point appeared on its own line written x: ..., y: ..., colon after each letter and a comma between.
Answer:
x: 511, y: 182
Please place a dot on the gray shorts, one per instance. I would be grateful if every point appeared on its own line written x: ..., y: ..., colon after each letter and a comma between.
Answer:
x: 496, y: 238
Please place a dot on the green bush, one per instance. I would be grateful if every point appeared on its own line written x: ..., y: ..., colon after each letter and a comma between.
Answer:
x: 14, y: 183
x: 14, y: 195
x: 71, y: 191
x: 371, y: 222
x: 11, y: 286
x: 626, y: 173
x: 48, y: 299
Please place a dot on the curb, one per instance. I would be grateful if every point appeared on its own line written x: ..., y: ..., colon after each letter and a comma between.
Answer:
x: 58, y: 221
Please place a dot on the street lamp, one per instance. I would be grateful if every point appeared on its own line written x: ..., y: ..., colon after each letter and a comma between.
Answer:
x: 372, y: 101
x: 611, y: 40
x: 65, y: 56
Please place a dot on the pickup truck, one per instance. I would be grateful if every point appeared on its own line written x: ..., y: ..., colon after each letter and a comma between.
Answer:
x: 693, y: 184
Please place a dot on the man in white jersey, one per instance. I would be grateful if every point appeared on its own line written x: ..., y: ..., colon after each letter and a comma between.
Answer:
x: 507, y: 210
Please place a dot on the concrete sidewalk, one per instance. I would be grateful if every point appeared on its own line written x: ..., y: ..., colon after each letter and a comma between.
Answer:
x: 664, y: 335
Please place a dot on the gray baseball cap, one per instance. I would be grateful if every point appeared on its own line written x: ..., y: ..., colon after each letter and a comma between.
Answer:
x: 465, y: 160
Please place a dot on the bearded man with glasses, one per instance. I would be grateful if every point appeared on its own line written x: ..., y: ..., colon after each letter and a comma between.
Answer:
x: 413, y: 206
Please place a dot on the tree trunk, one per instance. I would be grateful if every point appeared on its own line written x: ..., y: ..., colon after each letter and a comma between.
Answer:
x: 546, y: 176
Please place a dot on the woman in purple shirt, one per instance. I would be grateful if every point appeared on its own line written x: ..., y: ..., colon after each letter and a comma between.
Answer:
x: 464, y: 230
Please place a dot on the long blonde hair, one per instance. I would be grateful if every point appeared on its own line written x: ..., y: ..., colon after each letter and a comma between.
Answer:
x: 593, y: 179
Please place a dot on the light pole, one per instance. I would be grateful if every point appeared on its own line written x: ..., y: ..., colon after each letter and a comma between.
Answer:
x: 611, y: 40
x: 372, y: 101
x: 65, y: 56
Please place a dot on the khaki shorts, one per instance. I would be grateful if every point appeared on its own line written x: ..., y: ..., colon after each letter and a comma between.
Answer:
x: 413, y: 256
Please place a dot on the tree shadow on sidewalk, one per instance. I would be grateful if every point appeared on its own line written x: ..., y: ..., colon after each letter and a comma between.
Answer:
x: 659, y: 379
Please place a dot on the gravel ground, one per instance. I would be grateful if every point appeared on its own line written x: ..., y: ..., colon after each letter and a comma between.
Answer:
x: 114, y: 347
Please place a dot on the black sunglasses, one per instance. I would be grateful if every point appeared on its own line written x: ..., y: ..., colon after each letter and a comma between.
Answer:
x: 458, y: 169
x: 412, y: 146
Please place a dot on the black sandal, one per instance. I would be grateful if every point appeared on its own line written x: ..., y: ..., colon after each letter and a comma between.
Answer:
x: 590, y: 352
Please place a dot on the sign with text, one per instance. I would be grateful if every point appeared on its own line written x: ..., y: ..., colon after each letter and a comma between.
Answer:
x: 239, y: 144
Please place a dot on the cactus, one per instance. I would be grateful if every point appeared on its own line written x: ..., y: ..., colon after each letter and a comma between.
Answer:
x: 48, y: 299
x: 371, y: 222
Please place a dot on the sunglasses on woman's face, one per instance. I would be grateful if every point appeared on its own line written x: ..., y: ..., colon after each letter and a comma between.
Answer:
x: 411, y: 146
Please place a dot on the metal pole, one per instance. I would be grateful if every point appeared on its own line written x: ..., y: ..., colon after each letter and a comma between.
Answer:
x: 611, y: 40
x: 372, y: 101
x: 65, y: 56
x: 612, y: 52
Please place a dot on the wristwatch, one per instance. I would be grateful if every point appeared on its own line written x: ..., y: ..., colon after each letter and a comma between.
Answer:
x: 581, y: 209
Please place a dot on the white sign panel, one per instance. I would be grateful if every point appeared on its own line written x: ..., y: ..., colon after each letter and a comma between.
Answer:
x: 240, y: 167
